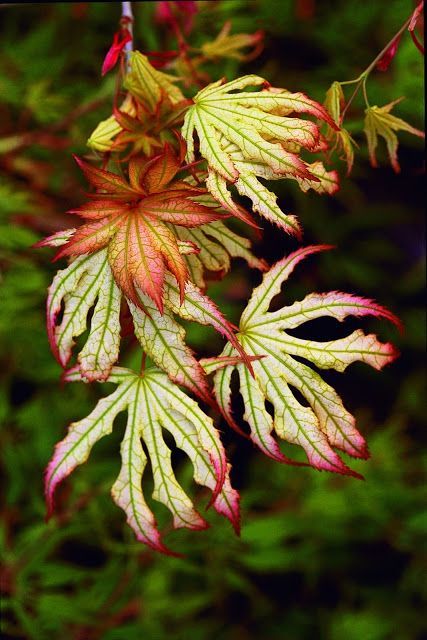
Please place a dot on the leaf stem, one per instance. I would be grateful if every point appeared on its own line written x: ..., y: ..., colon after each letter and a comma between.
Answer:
x: 127, y: 19
x: 143, y: 361
x: 361, y: 80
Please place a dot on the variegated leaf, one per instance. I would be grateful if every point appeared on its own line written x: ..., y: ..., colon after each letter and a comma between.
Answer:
x: 325, y: 424
x: 153, y: 404
x: 240, y: 132
x: 86, y: 283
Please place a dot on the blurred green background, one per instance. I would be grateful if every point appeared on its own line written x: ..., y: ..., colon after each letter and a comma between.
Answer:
x: 319, y: 556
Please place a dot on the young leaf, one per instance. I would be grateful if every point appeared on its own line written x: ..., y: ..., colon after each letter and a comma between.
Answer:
x: 101, y: 138
x: 340, y: 139
x: 129, y: 217
x: 148, y: 84
x: 153, y: 403
x: 324, y: 424
x: 229, y: 46
x: 153, y: 105
x: 380, y: 122
x: 246, y: 134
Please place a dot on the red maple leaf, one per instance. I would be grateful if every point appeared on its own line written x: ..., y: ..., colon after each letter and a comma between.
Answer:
x: 130, y: 218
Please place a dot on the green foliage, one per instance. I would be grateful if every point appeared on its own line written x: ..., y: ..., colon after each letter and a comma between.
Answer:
x: 319, y: 556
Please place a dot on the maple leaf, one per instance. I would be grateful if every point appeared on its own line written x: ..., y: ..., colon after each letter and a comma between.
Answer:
x: 229, y: 46
x: 153, y: 404
x: 380, y: 122
x: 217, y: 243
x: 101, y: 139
x: 154, y: 104
x: 85, y: 284
x: 324, y: 424
x: 248, y: 134
x: 88, y: 283
x: 130, y: 219
x: 148, y: 84
x: 339, y: 138
x: 146, y: 131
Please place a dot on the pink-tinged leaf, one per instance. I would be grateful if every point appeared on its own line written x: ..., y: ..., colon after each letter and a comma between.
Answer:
x: 90, y: 237
x: 199, y: 308
x: 86, y: 284
x: 160, y: 171
x: 120, y: 39
x: 246, y: 134
x: 105, y: 180
x: 166, y: 244
x: 163, y: 339
x: 384, y: 62
x: 57, y: 239
x: 181, y: 212
x: 321, y: 423
x: 335, y: 304
x: 135, y: 260
x: 75, y: 448
x: 413, y: 23
x: 98, y: 209
x: 153, y: 403
x: 184, y: 419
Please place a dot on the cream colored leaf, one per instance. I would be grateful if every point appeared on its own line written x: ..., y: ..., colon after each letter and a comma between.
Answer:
x: 306, y: 410
x: 153, y: 404
x: 247, y: 134
x: 85, y: 284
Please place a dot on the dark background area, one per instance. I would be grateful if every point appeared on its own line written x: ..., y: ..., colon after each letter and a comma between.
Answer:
x: 320, y: 556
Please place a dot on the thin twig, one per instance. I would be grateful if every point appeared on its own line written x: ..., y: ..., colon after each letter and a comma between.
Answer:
x: 127, y: 17
x: 361, y: 80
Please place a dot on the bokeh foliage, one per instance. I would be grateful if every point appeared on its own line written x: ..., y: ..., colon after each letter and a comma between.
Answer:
x: 319, y: 556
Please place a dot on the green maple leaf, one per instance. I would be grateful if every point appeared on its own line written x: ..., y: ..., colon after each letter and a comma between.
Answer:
x: 153, y: 403
x: 380, y: 122
x: 246, y: 134
x: 339, y: 138
x: 324, y: 424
